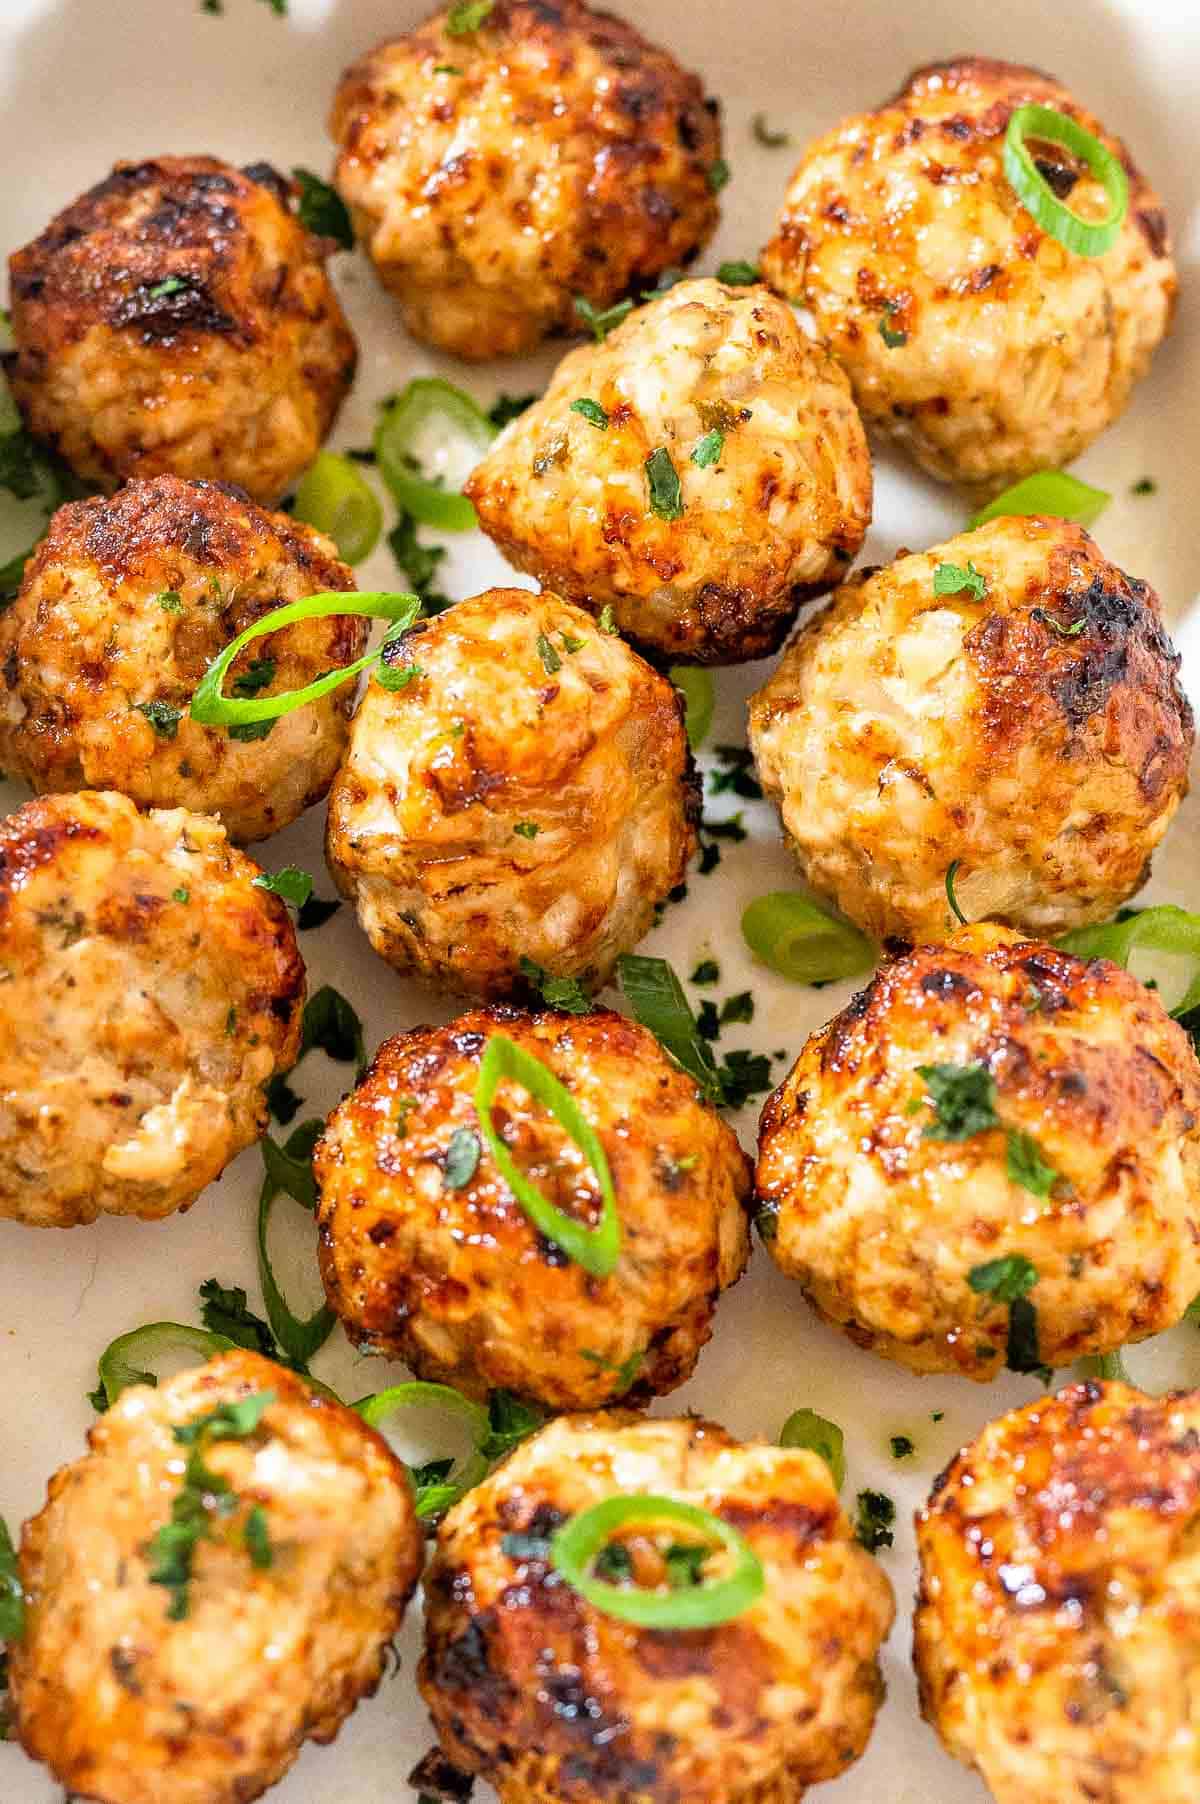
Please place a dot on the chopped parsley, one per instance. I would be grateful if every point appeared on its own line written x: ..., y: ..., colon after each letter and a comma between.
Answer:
x: 393, y: 677
x: 169, y: 286
x: 592, y: 412
x: 1009, y: 1280
x: 737, y: 1008
x: 742, y: 1076
x: 708, y: 1020
x: 902, y: 1446
x: 707, y: 450
x: 707, y: 971
x: 963, y: 1099
x: 527, y: 829
x: 467, y: 16
x: 1146, y: 485
x: 462, y: 1159
x: 737, y: 274
x: 257, y: 675
x: 315, y: 912
x: 331, y: 1025
x: 736, y: 763
x: 291, y: 884
x: 953, y: 579
x: 182, y: 894
x: 875, y: 1516
x: 510, y: 1421
x: 247, y: 730
x: 12, y: 1597
x: 551, y: 662
x: 322, y: 210
x: 607, y: 622
x: 164, y: 717
x: 418, y: 562
x: 600, y: 321
x: 283, y: 1102
x: 770, y: 140
x: 625, y: 1373
x: 1026, y: 1165
x: 662, y: 481
x: 566, y: 993
x: 1064, y: 632
x: 171, y: 601
x: 505, y: 407
x: 892, y: 336
x: 719, y: 175
x: 226, y: 1311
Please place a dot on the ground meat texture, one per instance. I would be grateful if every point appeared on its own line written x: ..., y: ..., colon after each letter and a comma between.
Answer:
x: 495, y: 175
x: 971, y: 337
x: 149, y: 991
x: 773, y: 512
x: 450, y: 1275
x: 530, y: 795
x: 178, y: 317
x: 556, y: 1703
x: 126, y: 1706
x: 125, y: 604
x: 1035, y: 734
x: 883, y: 1220
x: 1057, y: 1626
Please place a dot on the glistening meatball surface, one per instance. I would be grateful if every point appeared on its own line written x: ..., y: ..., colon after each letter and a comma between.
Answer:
x: 717, y: 390
x: 495, y: 174
x: 986, y: 1100
x: 529, y: 795
x: 1058, y: 1619
x: 427, y: 1255
x: 129, y: 1706
x: 150, y: 991
x: 125, y: 604
x: 178, y: 317
x: 557, y: 1703
x: 971, y: 336
x: 1029, y: 726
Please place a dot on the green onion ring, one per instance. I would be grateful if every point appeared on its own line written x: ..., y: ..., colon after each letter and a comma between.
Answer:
x: 575, y: 1546
x: 1086, y: 237
x: 1050, y: 492
x: 212, y: 708
x: 596, y: 1249
x: 335, y: 497
x: 130, y: 1358
x: 817, y: 1434
x: 377, y: 1408
x: 1162, y: 929
x: 696, y: 687
x: 398, y: 430
x: 794, y: 937
x: 952, y: 871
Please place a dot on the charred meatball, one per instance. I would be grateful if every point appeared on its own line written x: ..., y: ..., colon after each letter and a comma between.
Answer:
x: 428, y: 1256
x: 979, y: 342
x: 1058, y: 1619
x: 496, y: 174
x: 150, y: 991
x: 125, y: 604
x: 134, y: 1691
x: 701, y: 473
x: 553, y: 1700
x: 528, y: 796
x: 993, y: 1153
x: 178, y: 317
x: 1007, y: 702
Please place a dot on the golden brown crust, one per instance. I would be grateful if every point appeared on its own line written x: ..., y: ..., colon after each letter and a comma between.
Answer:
x: 1037, y: 735
x: 1057, y: 1624
x: 556, y: 1703
x: 150, y: 991
x: 1014, y: 353
x: 128, y: 1707
x: 125, y: 603
x: 529, y: 795
x: 178, y: 317
x: 883, y: 1224
x: 456, y: 1281
x: 494, y: 176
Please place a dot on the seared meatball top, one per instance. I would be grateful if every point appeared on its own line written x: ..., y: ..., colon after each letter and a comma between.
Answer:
x: 514, y: 1656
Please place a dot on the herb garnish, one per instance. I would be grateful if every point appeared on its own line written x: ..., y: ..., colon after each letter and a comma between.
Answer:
x: 892, y: 336
x: 171, y: 601
x: 1145, y: 486
x: 953, y: 579
x: 1064, y: 632
x: 505, y: 407
x: 874, y: 1519
x: 719, y: 174
x: 226, y: 1311
x: 322, y: 210
x: 164, y: 717
x: 526, y: 829
x: 735, y: 774
x: 600, y: 321
x: 12, y: 1597
x: 963, y: 1098
x: 902, y: 1446
x: 462, y: 1159
x: 551, y: 662
x: 771, y: 140
x: 738, y: 274
x: 591, y: 411
x: 707, y: 971
x: 817, y: 1434
x: 467, y: 16
x: 1009, y: 1280
x: 291, y: 884
x: 951, y: 878
x: 662, y: 481
x: 707, y: 450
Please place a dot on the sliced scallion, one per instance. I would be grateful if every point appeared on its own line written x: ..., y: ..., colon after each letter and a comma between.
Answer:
x: 378, y: 1409
x: 805, y: 1428
x: 1165, y: 928
x: 335, y: 497
x: 1051, y: 492
x: 134, y: 1358
x: 299, y: 1337
x: 700, y: 701
x: 1045, y: 125
x: 413, y: 427
x: 703, y: 1605
x: 798, y: 939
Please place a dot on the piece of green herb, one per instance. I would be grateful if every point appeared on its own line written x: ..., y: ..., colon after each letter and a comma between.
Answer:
x: 171, y: 601
x: 1027, y: 1167
x: 551, y: 662
x: 770, y: 140
x: 291, y: 884
x: 510, y: 1421
x: 164, y: 717
x: 737, y: 1008
x: 248, y: 730
x: 738, y: 275
x: 316, y: 911
x: 1064, y: 632
x: 419, y: 563
x: 955, y: 579
x: 331, y: 1025
x: 283, y: 1102
x: 719, y: 174
x: 951, y: 897
x: 257, y: 1540
x: 662, y: 481
x: 742, y: 1076
x: 226, y: 1311
x: 467, y: 16
x: 902, y: 1446
x: 707, y: 450
x: 875, y: 1516
x: 12, y: 1596
x: 684, y: 1562
x: 625, y: 1373
x: 734, y: 774
x: 393, y: 677
x: 322, y: 210
x: 708, y: 1020
x: 892, y: 336
x: 1146, y: 485
x: 591, y: 411
x: 292, y: 1172
x: 1009, y: 1280
x: 817, y: 1434
x: 963, y: 1099
x: 607, y: 622
x: 707, y: 971
x: 566, y: 993
x: 600, y: 321
x: 505, y: 407
x: 258, y: 674
x: 181, y: 895
x: 462, y: 1159
x: 161, y: 291
x: 526, y: 829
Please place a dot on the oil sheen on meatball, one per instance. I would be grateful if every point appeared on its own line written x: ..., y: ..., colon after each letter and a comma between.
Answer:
x: 719, y: 391
x: 555, y: 1702
x: 972, y: 337
x: 178, y: 317
x: 1029, y: 727
x: 447, y: 1272
x: 495, y: 174
x: 125, y: 604
x: 127, y: 1705
x: 150, y: 991
x: 529, y: 795
x: 1070, y: 1140
x: 1058, y: 1618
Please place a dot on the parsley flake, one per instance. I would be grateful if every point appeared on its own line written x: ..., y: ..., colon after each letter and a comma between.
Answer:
x: 607, y: 622
x: 662, y: 480
x: 462, y: 1159
x: 566, y: 993
x: 257, y: 675
x: 592, y: 412
x: 551, y: 662
x: 719, y: 175
x: 963, y: 1098
x: 874, y: 1520
x: 467, y: 16
x: 1064, y: 632
x: 291, y: 884
x: 707, y: 971
x: 892, y: 336
x: 322, y: 210
x: 600, y: 321
x: 171, y: 601
x: 737, y: 274
x: 1009, y: 1280
x: 527, y: 829
x: 953, y: 579
x: 707, y: 450
x: 1026, y: 1165
x: 164, y: 717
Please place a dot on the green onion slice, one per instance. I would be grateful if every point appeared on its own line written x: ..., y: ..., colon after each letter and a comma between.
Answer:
x: 12, y: 1599
x: 596, y: 1249
x: 336, y: 498
x: 1050, y: 492
x: 378, y: 1409
x: 134, y: 1358
x: 696, y: 687
x: 817, y: 1434
x: 1044, y: 124
x: 1162, y: 929
x: 299, y: 1337
x: 575, y: 1546
x: 413, y: 430
x: 793, y: 936
x: 213, y: 708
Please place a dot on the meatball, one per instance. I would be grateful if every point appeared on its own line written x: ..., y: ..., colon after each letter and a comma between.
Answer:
x: 1007, y: 703
x: 178, y: 317
x: 428, y: 1256
x: 136, y: 1692
x: 552, y: 1699
x: 150, y: 991
x: 716, y: 477
x: 529, y: 796
x: 990, y: 1115
x: 1057, y: 1625
x: 975, y: 339
x: 125, y: 604
x: 496, y: 174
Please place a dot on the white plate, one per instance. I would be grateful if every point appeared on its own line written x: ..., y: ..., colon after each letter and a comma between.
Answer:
x: 83, y: 82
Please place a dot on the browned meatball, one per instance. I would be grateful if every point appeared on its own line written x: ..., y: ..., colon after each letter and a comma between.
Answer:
x: 131, y: 1696
x: 125, y: 604
x: 1058, y: 1620
x: 179, y: 317
x: 495, y: 174
x: 428, y: 1256
x: 556, y: 1702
